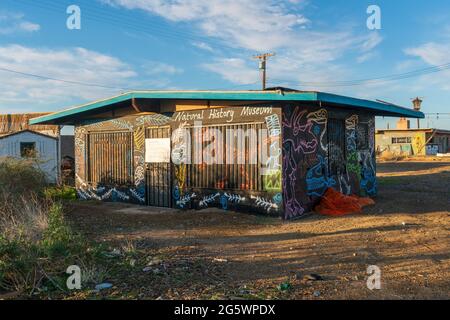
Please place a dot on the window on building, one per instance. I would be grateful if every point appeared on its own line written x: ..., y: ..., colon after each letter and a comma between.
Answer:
x: 336, y: 146
x: 110, y: 158
x: 28, y: 149
x: 362, y: 136
x: 239, y: 168
x: 401, y: 140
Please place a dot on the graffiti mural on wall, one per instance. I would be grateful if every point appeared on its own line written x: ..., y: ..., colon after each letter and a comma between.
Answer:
x: 368, y: 181
x: 318, y: 180
x: 296, y: 171
x: 304, y: 134
x: 353, y: 166
x: 185, y: 200
x: 272, y: 173
x: 307, y: 146
x: 127, y: 193
x: 320, y: 118
x: 265, y: 196
x: 273, y: 180
x: 267, y: 205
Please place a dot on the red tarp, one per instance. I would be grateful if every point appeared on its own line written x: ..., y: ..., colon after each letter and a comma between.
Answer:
x: 334, y: 203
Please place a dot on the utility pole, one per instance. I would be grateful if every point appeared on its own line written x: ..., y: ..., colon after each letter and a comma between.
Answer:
x: 263, y: 66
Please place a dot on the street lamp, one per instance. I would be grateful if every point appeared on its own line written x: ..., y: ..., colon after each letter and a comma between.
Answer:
x: 417, y: 103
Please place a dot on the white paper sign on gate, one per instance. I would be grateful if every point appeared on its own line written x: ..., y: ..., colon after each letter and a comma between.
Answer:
x: 157, y: 150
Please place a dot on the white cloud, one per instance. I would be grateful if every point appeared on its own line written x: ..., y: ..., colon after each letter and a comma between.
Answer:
x: 248, y: 26
x: 233, y: 69
x: 202, y: 45
x: 366, y: 57
x: 74, y: 64
x: 29, y: 26
x: 433, y: 54
x: 251, y: 24
x: 371, y: 42
x: 11, y: 23
x: 160, y: 68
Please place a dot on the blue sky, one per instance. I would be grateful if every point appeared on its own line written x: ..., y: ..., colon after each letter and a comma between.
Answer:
x: 208, y: 44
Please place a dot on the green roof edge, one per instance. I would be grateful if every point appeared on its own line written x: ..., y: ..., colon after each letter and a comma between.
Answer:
x: 234, y: 95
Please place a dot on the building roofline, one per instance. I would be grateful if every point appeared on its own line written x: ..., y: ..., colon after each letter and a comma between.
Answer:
x: 27, y: 130
x: 277, y: 95
x: 414, y: 130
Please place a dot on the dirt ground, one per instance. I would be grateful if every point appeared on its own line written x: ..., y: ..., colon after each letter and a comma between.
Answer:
x: 212, y: 254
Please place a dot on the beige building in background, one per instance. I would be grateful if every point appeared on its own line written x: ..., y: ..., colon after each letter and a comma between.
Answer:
x: 419, y: 142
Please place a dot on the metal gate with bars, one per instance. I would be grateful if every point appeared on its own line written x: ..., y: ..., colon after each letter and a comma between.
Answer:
x: 158, y: 175
x: 239, y: 174
x: 110, y: 158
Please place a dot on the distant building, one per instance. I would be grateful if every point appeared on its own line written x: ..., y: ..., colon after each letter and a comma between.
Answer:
x: 407, y: 141
x: 42, y: 149
x: 39, y: 143
x: 12, y: 123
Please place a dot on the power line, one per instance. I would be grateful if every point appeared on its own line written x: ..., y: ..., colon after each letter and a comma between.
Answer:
x: 125, y: 22
x: 110, y: 19
x: 61, y: 80
x: 380, y: 79
x: 97, y: 85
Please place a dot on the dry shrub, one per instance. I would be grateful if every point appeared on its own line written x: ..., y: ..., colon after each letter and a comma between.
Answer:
x: 36, y: 242
x: 25, y: 217
x: 23, y: 210
x: 391, y: 156
x: 21, y: 177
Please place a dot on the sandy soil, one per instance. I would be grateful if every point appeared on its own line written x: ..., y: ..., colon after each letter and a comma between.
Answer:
x: 213, y: 254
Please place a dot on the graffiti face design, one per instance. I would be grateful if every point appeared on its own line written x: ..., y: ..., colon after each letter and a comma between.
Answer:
x: 320, y: 118
x: 303, y: 139
x: 317, y: 180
